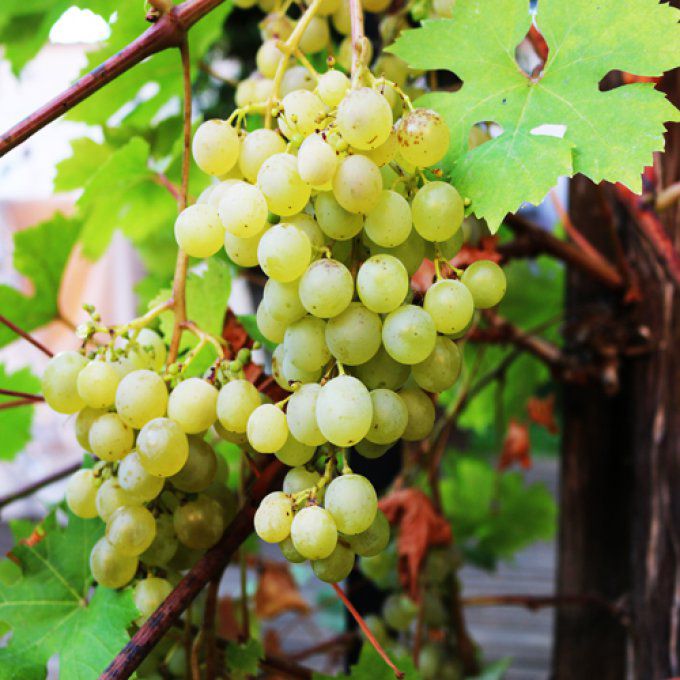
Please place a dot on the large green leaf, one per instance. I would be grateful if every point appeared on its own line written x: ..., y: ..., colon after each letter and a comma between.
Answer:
x: 15, y: 423
x: 609, y: 135
x: 50, y: 610
x: 371, y: 667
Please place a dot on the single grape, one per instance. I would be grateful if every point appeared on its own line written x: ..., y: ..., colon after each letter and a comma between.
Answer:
x: 382, y: 371
x: 256, y: 148
x: 316, y: 36
x: 163, y: 447
x: 336, y: 222
x: 327, y: 7
x: 382, y: 283
x: 357, y: 184
x: 289, y: 552
x: 409, y: 334
x: 423, y: 137
x: 112, y: 496
x: 434, y: 613
x: 421, y: 414
x: 314, y: 533
x: 376, y: 6
x: 353, y: 503
x: 382, y: 568
x: 301, y: 416
x: 84, y: 421
x: 134, y: 479
x: 295, y: 453
x: 449, y: 249
x: 109, y: 567
x: 302, y: 113
x: 216, y: 147
x: 199, y: 524
x: 344, y: 411
x: 148, y: 595
x: 364, y: 118
x: 238, y: 438
x: 199, y: 471
x: 272, y: 328
x: 486, y: 282
x: 81, y: 494
x: 219, y: 192
x: 236, y: 401
x: 317, y: 161
x: 305, y: 343
x: 430, y: 660
x: 410, y: 253
x: 385, y: 154
x: 390, y: 417
x: 267, y: 59
x: 341, y: 18
x: 441, y: 369
x: 97, y: 383
x: 399, y: 611
x: 110, y: 438
x: 370, y: 450
x: 60, y: 382
x: 193, y: 405
x: 332, y: 87
x: 267, y: 428
x: 438, y: 211
x: 389, y: 223
x: 243, y: 251
x: 298, y: 479
x: 336, y: 567
x: 296, y: 78
x: 326, y: 288
x: 354, y: 336
x: 450, y: 304
x: 278, y: 179
x: 282, y: 301
x: 284, y: 252
x: 286, y: 373
x: 131, y: 529
x: 309, y: 225
x: 164, y: 545
x: 141, y: 396
x: 373, y: 540
x: 199, y: 231
x: 274, y: 517
x: 243, y: 211
x: 275, y: 24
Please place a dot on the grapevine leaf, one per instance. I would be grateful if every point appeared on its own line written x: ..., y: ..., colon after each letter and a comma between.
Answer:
x: 40, y: 254
x: 249, y: 322
x: 87, y: 158
x: 495, y: 670
x: 15, y: 423
x: 50, y: 611
x: 243, y: 659
x: 608, y: 135
x: 371, y: 667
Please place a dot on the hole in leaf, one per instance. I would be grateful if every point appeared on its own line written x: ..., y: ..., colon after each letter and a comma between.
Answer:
x: 482, y: 132
x: 550, y: 130
x: 532, y: 53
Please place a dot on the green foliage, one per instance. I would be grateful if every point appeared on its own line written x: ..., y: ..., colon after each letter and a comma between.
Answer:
x: 243, y: 659
x: 15, y: 423
x: 371, y: 667
x: 50, y: 611
x: 40, y: 254
x: 609, y: 135
x: 249, y: 322
x: 494, y: 671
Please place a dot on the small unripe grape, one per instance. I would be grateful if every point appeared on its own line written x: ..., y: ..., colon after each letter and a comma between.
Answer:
x: 59, y: 382
x: 332, y: 87
x: 267, y: 428
x: 81, y: 494
x: 336, y: 567
x: 373, y: 540
x: 399, y: 611
x: 314, y: 533
x: 284, y: 252
x: 438, y: 211
x: 110, y: 438
x: 131, y: 529
x: 353, y: 503
x: 289, y: 552
x: 109, y: 567
x: 236, y: 401
x: 149, y: 595
x: 163, y: 447
x: 450, y: 304
x: 216, y: 147
x: 364, y: 118
x: 193, y: 405
x: 295, y: 453
x: 344, y: 411
x: 199, y: 471
x: 486, y: 282
x: 421, y: 414
x: 140, y: 397
x: 409, y: 334
x: 357, y: 184
x: 423, y: 137
x: 198, y: 230
x: 274, y: 517
x: 151, y: 348
x: 97, y: 383
x: 199, y: 524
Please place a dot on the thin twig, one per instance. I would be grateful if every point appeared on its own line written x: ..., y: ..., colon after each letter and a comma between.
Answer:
x: 22, y: 395
x: 6, y: 405
x: 31, y: 488
x: 209, y: 637
x: 26, y: 336
x: 343, y: 640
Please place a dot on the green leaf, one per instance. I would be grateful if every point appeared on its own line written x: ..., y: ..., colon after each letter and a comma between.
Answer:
x: 249, y: 322
x: 609, y: 135
x: 50, y: 612
x: 372, y: 667
x: 87, y: 158
x: 15, y: 423
x: 243, y: 660
x: 494, y: 671
x: 40, y: 254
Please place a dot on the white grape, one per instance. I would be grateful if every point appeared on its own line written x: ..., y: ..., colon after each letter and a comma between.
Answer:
x: 298, y: 479
x: 305, y: 343
x: 163, y: 447
x: 390, y: 417
x: 282, y: 300
x: 302, y: 114
x: 215, y: 147
x: 301, y: 416
x: 131, y: 529
x: 110, y: 438
x: 140, y: 397
x: 274, y: 517
x: 421, y: 414
x: 354, y: 336
x: 409, y: 334
x: 441, y: 368
x: 364, y: 118
x: 353, y: 503
x: 315, y: 36
x: 317, y: 161
x: 438, y: 211
x: 382, y: 283
x: 486, y: 282
x: 344, y: 410
x: 382, y: 371
x: 81, y: 494
x: 256, y: 148
x: 109, y: 567
x: 283, y: 188
x: 198, y: 230
x: 192, y: 405
x: 357, y: 184
x: 314, y: 533
x: 243, y: 211
x: 236, y: 401
x: 267, y: 429
x: 336, y: 222
x: 133, y: 478
x: 112, y: 496
x: 149, y: 594
x: 326, y: 288
x: 332, y: 87
x: 60, y: 382
x: 272, y: 328
x: 295, y: 453
x: 243, y: 251
x: 389, y: 223
x: 423, y: 137
x: 284, y: 252
x: 450, y: 304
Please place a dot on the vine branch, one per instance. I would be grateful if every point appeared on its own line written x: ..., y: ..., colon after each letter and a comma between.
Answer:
x: 31, y: 488
x: 26, y: 336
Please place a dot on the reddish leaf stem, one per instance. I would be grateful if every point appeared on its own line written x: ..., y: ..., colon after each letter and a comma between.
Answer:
x: 26, y: 336
x: 19, y: 402
x: 22, y: 395
x: 31, y: 488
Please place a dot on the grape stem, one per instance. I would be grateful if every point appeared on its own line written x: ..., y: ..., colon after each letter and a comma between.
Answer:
x: 205, y: 338
x: 356, y: 17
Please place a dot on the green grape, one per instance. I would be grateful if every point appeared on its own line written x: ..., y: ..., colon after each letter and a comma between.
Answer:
x: 131, y: 529
x: 267, y: 61
x: 354, y: 336
x: 450, y: 304
x: 163, y: 447
x: 486, y: 282
x: 221, y: 469
x: 332, y: 87
x: 282, y: 186
x: 438, y: 211
x: 284, y: 252
x: 199, y: 231
x: 243, y: 251
x: 218, y: 193
x: 381, y: 568
x: 141, y: 396
x: 193, y: 405
x: 227, y: 499
x: 286, y: 373
x: 216, y: 147
x: 97, y: 383
x: 199, y: 471
x: 353, y: 503
x: 275, y: 24
x: 149, y: 594
x: 134, y: 479
x: 60, y: 382
x: 357, y: 184
x: 243, y: 211
x: 289, y: 552
x: 373, y: 540
x: 336, y: 222
x: 305, y: 343
x: 326, y: 288
x: 84, y: 421
x: 382, y: 371
x: 364, y: 118
x: 314, y: 533
x: 344, y: 411
x: 110, y: 438
x: 409, y: 334
x: 109, y: 567
x: 451, y: 670
x: 267, y: 429
x: 327, y: 7
x: 282, y: 301
x: 184, y: 558
x: 273, y: 517
x: 441, y: 369
x: 316, y: 36
x: 336, y: 567
x: 302, y: 112
x: 383, y: 155
x: 112, y: 496
x: 421, y: 414
x: 295, y: 453
x: 399, y: 611
x: 376, y: 6
x: 449, y: 249
x: 423, y: 137
x: 341, y: 18
x: 389, y: 223
x: 434, y: 613
x: 150, y: 347
x: 273, y: 329
x: 256, y: 148
x: 81, y: 494
x: 377, y: 627
x: 429, y: 661
x: 382, y: 283
x: 370, y: 450
x: 390, y: 417
x: 235, y: 402
x: 301, y: 416
x: 317, y: 161
x: 300, y: 478
x: 410, y: 253
x: 199, y: 524
x: 164, y: 544
x: 296, y: 78
x: 238, y: 438
x: 309, y: 225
